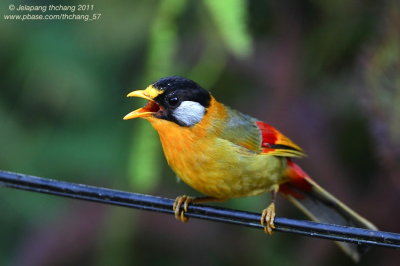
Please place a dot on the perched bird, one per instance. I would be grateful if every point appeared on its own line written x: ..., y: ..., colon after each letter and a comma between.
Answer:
x: 225, y: 154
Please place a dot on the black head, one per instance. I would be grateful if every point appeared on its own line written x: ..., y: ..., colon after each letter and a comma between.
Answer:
x: 180, y: 100
x: 178, y: 89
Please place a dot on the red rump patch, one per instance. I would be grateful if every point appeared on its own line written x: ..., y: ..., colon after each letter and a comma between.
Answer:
x: 269, y: 134
x: 298, y: 181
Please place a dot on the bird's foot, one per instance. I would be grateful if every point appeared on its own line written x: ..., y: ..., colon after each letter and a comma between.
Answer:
x: 267, y: 218
x: 179, y: 201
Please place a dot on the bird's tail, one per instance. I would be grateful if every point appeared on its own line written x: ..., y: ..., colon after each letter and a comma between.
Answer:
x: 322, y: 206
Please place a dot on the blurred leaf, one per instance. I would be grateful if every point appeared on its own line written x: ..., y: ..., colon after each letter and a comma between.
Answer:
x: 209, y: 68
x: 163, y: 40
x: 231, y: 18
x: 145, y: 158
x: 144, y: 161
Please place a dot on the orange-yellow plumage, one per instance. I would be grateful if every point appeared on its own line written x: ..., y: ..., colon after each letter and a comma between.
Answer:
x: 213, y: 165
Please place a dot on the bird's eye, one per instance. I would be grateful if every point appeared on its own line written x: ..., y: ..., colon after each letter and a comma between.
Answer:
x: 173, y: 101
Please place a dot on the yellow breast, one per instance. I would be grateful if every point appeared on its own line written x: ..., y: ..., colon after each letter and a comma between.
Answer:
x: 215, y: 166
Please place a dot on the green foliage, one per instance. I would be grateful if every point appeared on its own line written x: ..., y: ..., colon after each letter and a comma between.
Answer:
x: 145, y: 158
x: 231, y: 20
x: 163, y: 40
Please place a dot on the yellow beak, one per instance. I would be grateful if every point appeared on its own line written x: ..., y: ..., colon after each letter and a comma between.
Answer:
x: 151, y: 107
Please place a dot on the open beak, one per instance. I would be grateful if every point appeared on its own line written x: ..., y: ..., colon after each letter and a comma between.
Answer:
x: 150, y: 108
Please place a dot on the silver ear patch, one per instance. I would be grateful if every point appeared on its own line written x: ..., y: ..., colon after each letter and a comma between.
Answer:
x: 189, y: 113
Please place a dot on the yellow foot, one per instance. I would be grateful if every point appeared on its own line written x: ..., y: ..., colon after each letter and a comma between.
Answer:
x: 180, y: 214
x: 267, y: 218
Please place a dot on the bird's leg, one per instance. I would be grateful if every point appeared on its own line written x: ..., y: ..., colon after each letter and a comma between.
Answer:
x: 185, y: 201
x: 268, y: 214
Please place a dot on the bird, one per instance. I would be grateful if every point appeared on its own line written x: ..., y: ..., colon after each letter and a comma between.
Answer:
x: 224, y: 154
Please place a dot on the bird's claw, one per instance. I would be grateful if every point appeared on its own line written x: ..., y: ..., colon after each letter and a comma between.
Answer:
x: 180, y: 214
x: 267, y: 218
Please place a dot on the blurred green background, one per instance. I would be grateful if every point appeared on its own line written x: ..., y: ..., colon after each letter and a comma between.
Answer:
x: 326, y: 73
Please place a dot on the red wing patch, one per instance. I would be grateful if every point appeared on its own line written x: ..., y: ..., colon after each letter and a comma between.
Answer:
x: 275, y: 143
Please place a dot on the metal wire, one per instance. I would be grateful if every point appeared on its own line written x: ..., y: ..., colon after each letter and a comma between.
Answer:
x: 151, y: 203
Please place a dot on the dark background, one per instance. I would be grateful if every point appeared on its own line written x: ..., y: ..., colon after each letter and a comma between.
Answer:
x: 326, y: 73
